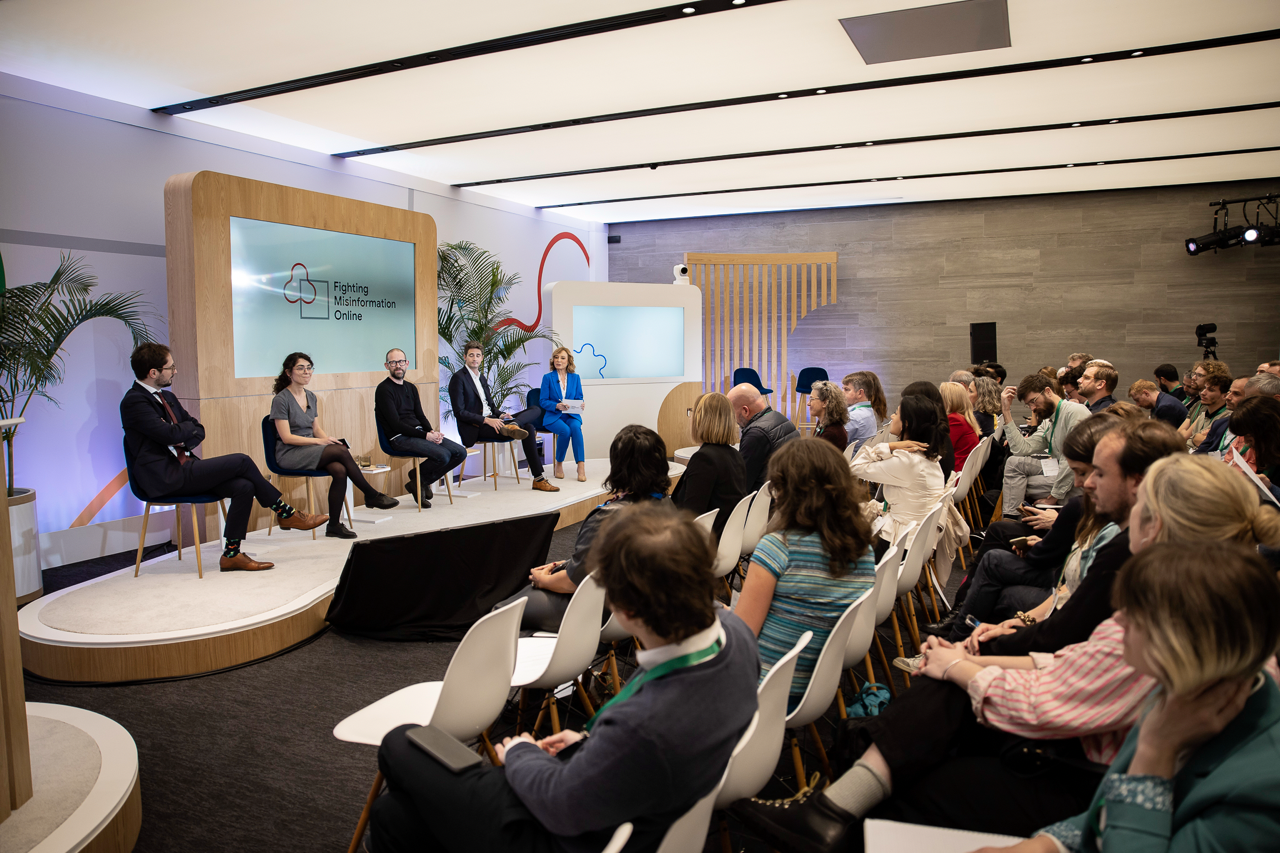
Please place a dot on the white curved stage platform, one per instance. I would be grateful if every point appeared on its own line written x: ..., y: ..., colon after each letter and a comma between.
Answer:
x: 85, y: 771
x: 167, y: 622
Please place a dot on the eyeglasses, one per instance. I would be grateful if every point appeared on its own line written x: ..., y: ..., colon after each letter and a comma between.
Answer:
x: 307, y: 369
x: 404, y: 362
x: 173, y: 368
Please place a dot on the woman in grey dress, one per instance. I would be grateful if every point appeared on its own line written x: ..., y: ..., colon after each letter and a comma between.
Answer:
x: 303, y: 445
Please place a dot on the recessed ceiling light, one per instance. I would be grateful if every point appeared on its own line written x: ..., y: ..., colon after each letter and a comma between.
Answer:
x: 1113, y: 121
x: 1102, y: 164
x: 1087, y: 59
x: 868, y: 143
x: 839, y: 146
x: 783, y: 95
x: 899, y: 178
x: 822, y: 91
x: 688, y: 10
x: 873, y: 180
x: 1075, y: 124
x: 1136, y: 53
x: 739, y: 2
x: 1071, y: 165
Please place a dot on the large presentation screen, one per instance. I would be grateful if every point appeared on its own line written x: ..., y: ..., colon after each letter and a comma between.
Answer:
x: 343, y: 299
x: 628, y: 341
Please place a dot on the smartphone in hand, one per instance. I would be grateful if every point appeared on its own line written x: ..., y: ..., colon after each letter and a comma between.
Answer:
x: 1019, y: 542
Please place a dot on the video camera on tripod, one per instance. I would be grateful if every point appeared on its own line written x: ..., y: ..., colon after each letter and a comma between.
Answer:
x: 1203, y: 339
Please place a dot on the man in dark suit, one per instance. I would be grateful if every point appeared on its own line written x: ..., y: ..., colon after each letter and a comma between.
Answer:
x: 160, y: 436
x: 480, y: 419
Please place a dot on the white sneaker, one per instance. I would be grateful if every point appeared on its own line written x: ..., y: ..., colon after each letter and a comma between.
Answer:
x: 909, y: 664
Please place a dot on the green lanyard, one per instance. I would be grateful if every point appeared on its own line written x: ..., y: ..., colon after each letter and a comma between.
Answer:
x: 1053, y: 426
x: 657, y: 672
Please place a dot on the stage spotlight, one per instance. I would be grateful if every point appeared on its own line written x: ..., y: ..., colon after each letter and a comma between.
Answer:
x: 1268, y: 235
x: 1223, y: 239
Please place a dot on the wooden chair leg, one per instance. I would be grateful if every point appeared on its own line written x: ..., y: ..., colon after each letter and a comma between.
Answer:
x: 542, y: 714
x: 726, y: 843
x: 462, y: 471
x: 822, y: 752
x: 586, y: 700
x: 195, y: 533
x: 515, y: 464
x: 417, y: 478
x: 311, y: 508
x: 489, y: 750
x: 884, y: 661
x: 448, y: 490
x: 913, y: 626
x: 350, y: 520
x: 871, y: 673
x: 797, y: 759
x: 840, y: 708
x: 555, y: 713
x: 364, y: 815
x: 897, y: 637
x: 271, y: 521
x: 177, y: 522
x: 613, y: 669
x: 142, y: 540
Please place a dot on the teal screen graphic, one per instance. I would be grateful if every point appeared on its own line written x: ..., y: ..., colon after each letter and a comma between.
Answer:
x: 628, y: 341
x: 341, y: 298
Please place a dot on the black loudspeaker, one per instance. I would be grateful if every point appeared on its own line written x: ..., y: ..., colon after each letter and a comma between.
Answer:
x: 982, y: 342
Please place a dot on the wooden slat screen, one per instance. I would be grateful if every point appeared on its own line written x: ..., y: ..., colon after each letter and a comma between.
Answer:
x: 750, y: 304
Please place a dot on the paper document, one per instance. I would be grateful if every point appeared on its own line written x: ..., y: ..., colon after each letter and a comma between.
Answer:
x: 1232, y: 456
x: 888, y: 836
x: 574, y: 406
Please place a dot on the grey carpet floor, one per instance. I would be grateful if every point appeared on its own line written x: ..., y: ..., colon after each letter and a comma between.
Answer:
x: 246, y: 760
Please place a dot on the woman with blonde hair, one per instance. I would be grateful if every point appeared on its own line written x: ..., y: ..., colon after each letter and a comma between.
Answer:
x: 715, y: 477
x: 985, y: 398
x: 830, y: 413
x: 960, y: 421
x: 559, y: 385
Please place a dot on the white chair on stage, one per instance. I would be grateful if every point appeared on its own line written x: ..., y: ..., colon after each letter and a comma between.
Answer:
x: 757, y: 520
x: 822, y: 686
x: 548, y: 661
x: 464, y: 704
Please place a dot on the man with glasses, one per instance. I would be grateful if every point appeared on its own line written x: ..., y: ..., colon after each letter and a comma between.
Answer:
x: 398, y: 410
x: 160, y: 436
x: 1025, y: 475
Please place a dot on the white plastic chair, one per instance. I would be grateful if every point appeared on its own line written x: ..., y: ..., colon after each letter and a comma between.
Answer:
x: 707, y: 519
x: 757, y: 758
x: 620, y: 837
x: 864, y: 627
x: 851, y: 450
x: 822, y: 685
x: 464, y: 704
x: 689, y: 833
x: 549, y: 661
x: 730, y: 548
x: 919, y: 549
x: 757, y: 520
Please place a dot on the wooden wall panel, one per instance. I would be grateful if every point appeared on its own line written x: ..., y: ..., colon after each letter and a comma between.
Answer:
x: 751, y: 303
x: 198, y: 211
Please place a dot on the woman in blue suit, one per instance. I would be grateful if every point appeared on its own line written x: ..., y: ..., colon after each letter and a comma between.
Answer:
x: 561, y: 384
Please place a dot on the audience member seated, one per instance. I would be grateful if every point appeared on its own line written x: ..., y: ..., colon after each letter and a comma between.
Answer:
x: 1077, y: 359
x: 763, y: 431
x: 815, y: 562
x: 985, y: 399
x: 1194, y: 382
x: 1120, y: 462
x: 1011, y: 579
x: 947, y: 459
x: 864, y: 418
x: 1097, y: 384
x: 1202, y: 769
x: 481, y: 419
x: 991, y: 370
x: 1027, y: 478
x: 962, y: 427
x: 1051, y: 373
x: 1070, y: 384
x: 960, y: 757
x: 559, y: 384
x: 161, y: 437
x: 653, y: 751
x: 1128, y: 411
x: 1162, y: 405
x: 964, y: 377
x: 715, y: 477
x: 1272, y: 367
x: 637, y: 474
x: 1212, y: 406
x: 1220, y: 437
x: 398, y: 409
x: 907, y: 468
x: 830, y: 414
x: 1191, y: 388
x: 1256, y: 423
x: 303, y: 445
x: 1167, y: 375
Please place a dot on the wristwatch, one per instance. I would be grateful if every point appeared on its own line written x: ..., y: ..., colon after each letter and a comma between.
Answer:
x: 1027, y: 618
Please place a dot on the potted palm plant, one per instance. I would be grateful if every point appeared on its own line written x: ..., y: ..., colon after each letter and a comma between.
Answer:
x: 472, y: 295
x: 35, y: 322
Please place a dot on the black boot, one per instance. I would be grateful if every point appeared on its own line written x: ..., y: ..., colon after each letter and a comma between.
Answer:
x: 944, y: 626
x: 815, y: 825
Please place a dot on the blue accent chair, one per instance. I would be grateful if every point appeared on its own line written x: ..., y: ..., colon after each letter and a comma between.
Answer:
x: 269, y: 439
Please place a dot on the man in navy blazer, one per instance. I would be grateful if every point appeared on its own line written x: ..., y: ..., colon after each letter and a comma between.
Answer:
x: 480, y: 419
x: 160, y: 436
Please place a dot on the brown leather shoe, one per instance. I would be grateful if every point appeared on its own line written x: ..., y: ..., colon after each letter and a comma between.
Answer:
x: 513, y: 431
x: 243, y: 563
x: 301, y: 521
x: 544, y: 486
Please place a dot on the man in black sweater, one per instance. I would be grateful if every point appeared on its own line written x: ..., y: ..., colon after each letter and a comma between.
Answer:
x: 653, y: 751
x: 763, y: 431
x: 398, y: 409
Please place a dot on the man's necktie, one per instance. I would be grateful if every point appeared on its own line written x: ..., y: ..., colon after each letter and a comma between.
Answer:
x: 183, y: 455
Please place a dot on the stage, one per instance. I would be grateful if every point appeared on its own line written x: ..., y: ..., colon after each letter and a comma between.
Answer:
x: 168, y: 622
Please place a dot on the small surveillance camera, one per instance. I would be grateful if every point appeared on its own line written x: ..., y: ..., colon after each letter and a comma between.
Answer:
x: 680, y: 270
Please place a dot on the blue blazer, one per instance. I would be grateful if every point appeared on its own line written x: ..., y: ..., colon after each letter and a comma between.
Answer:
x: 550, y: 395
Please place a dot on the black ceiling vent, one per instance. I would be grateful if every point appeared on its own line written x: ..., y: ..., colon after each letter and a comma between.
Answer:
x: 930, y: 31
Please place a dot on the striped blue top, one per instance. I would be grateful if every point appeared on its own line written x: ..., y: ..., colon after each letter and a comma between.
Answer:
x: 806, y: 598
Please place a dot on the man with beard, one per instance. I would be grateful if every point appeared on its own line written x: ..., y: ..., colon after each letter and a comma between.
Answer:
x: 398, y: 410
x: 1025, y: 476
x: 927, y: 760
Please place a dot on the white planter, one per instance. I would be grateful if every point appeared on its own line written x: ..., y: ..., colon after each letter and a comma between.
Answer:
x: 26, y: 545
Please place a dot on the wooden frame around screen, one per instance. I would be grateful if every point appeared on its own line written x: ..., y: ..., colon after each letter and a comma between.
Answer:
x: 198, y: 207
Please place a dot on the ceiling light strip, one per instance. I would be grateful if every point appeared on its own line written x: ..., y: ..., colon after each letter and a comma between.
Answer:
x: 1000, y: 171
x: 467, y: 51
x: 1130, y: 54
x: 900, y: 140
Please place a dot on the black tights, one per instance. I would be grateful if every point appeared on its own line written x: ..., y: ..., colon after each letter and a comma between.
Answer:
x: 337, y: 461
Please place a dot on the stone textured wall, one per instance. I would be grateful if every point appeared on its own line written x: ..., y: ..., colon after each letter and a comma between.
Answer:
x: 1104, y: 272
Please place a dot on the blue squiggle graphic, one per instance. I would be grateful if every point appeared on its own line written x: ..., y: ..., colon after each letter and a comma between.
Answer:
x: 579, y: 350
